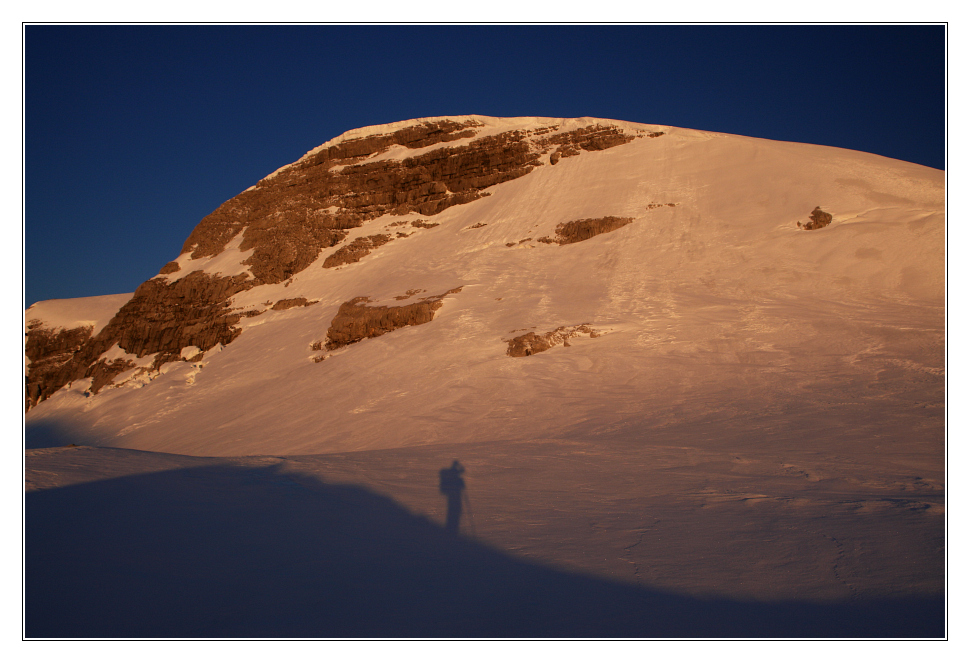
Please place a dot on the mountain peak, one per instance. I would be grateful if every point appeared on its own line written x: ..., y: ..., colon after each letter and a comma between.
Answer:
x: 472, y: 278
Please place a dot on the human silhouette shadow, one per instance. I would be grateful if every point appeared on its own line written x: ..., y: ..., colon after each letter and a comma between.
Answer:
x: 225, y: 551
x: 452, y: 486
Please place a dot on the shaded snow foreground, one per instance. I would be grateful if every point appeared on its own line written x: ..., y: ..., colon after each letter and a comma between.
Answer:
x: 228, y: 551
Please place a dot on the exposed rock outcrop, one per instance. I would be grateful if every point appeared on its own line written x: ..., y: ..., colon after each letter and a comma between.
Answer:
x: 48, y: 351
x: 409, y: 294
x: 284, y: 304
x: 591, y: 139
x: 166, y: 317
x: 104, y: 372
x: 532, y: 343
x: 356, y: 250
x: 170, y: 268
x: 310, y: 205
x: 289, y: 217
x: 161, y: 317
x: 819, y: 219
x: 53, y: 345
x: 583, y: 229
x: 355, y: 320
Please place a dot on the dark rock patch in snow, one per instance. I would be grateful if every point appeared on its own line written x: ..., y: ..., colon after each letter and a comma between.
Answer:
x: 410, y: 293
x: 104, y: 372
x: 424, y: 224
x: 583, y: 229
x: 356, y: 321
x: 819, y: 219
x: 591, y: 138
x: 356, y: 250
x: 414, y: 137
x: 532, y: 343
x: 285, y: 304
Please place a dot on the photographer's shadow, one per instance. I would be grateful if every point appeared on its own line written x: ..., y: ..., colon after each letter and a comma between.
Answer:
x: 452, y: 486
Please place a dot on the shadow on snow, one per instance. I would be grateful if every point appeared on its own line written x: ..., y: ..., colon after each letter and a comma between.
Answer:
x: 222, y: 551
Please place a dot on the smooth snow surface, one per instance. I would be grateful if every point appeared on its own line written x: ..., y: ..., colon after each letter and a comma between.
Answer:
x: 761, y: 420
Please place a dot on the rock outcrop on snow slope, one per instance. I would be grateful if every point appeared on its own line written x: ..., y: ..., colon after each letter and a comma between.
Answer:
x: 55, y: 331
x: 583, y: 229
x: 160, y: 319
x: 531, y: 343
x: 48, y: 351
x: 819, y: 219
x: 284, y: 223
x: 356, y: 250
x: 355, y: 320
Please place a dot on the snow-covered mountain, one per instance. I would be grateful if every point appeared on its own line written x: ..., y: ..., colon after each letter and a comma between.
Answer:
x: 469, y: 279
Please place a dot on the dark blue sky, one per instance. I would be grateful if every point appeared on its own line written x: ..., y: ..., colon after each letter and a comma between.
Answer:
x: 134, y: 133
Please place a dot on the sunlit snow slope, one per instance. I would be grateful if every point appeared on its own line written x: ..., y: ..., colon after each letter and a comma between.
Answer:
x: 712, y: 305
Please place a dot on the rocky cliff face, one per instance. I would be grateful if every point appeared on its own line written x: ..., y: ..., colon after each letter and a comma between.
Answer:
x: 289, y: 218
x: 161, y: 318
x: 48, y: 351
